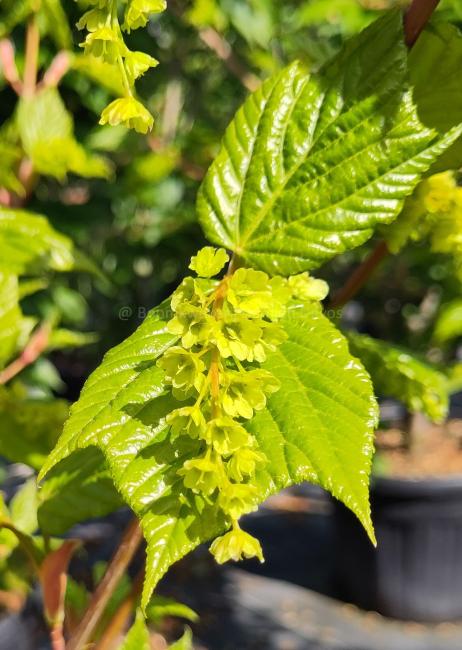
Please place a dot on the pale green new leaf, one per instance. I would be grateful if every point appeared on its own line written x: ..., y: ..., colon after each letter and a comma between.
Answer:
x: 47, y: 135
x: 324, y: 434
x: 10, y: 315
x: 28, y: 244
x: 310, y: 165
x: 397, y: 372
x: 138, y: 635
x: 435, y: 62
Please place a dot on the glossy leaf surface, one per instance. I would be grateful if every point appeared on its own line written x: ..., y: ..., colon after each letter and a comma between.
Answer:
x: 324, y: 435
x: 311, y: 165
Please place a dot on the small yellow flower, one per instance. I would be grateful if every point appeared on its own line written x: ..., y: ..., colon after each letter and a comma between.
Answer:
x: 128, y: 112
x: 236, y: 545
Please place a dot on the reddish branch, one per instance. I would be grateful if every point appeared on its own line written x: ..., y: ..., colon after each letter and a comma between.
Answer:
x: 360, y: 276
x: 117, y: 567
x: 415, y: 19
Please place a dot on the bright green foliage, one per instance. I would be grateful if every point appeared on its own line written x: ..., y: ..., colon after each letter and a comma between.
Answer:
x: 47, y: 135
x: 138, y: 635
x: 398, y: 373
x: 29, y: 427
x: 190, y: 468
x: 319, y: 427
x: 105, y: 41
x: 30, y: 245
x: 449, y: 323
x: 437, y: 90
x: 434, y: 211
x: 311, y: 165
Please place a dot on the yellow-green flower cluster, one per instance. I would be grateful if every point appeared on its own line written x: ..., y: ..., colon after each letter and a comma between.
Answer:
x: 225, y: 330
x: 105, y: 41
x: 435, y: 212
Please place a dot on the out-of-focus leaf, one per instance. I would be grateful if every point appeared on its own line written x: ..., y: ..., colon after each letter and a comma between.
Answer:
x: 28, y: 244
x: 29, y: 287
x: 397, y: 372
x: 23, y: 507
x: 206, y: 13
x: 13, y: 12
x: 100, y: 72
x: 47, y: 134
x: 10, y: 316
x: 349, y: 16
x: 160, y: 607
x: 63, y: 338
x: 253, y: 19
x: 10, y: 155
x: 435, y: 63
x: 29, y: 427
x: 449, y: 323
x: 56, y: 23
x: 79, y: 488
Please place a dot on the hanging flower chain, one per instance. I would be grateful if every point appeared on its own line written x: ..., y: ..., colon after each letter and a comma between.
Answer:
x: 105, y: 41
x: 226, y: 330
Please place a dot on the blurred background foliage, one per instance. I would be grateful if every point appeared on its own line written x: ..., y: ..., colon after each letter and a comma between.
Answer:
x: 138, y: 225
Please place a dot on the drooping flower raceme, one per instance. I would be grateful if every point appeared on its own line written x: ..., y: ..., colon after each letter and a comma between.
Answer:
x: 105, y: 41
x: 226, y: 329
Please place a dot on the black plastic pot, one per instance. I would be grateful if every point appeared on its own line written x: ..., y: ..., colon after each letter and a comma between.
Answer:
x: 416, y: 571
